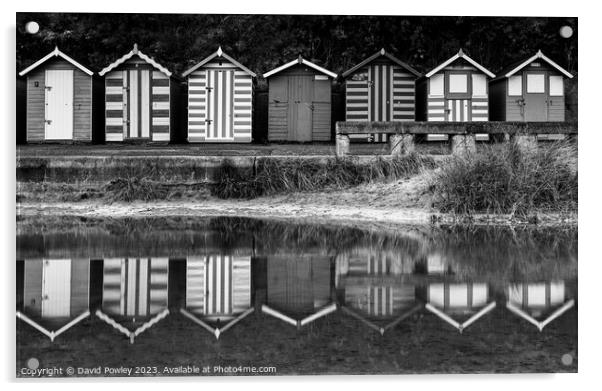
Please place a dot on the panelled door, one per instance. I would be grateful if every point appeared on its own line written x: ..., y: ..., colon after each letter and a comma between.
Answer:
x: 56, y: 288
x: 380, y: 84
x: 58, y: 114
x: 536, y: 107
x: 219, y: 116
x: 137, y: 97
x: 458, y: 110
x: 301, y: 92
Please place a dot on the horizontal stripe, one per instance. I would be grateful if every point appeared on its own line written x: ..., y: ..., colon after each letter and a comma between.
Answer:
x: 161, y: 83
x: 160, y: 113
x: 160, y: 98
x: 159, y: 75
x: 242, y: 115
x: 242, y: 123
x: 160, y: 128
x: 114, y: 105
x: 114, y: 114
x: 192, y: 126
x: 196, y: 98
x: 114, y: 136
x: 114, y: 75
x: 160, y: 106
x: 196, y: 84
x: 160, y: 136
x: 237, y: 100
x: 160, y: 121
x: 114, y: 98
x: 160, y: 90
x: 409, y: 117
x: 114, y: 121
x: 197, y: 88
x: 114, y: 83
x: 114, y: 129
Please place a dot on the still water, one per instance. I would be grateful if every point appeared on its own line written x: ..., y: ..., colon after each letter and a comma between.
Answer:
x: 229, y: 296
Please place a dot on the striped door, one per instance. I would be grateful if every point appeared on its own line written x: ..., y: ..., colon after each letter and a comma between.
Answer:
x: 380, y: 97
x: 135, y: 287
x: 56, y: 288
x: 58, y: 123
x: 218, y: 285
x: 219, y: 116
x: 458, y: 110
x: 139, y: 96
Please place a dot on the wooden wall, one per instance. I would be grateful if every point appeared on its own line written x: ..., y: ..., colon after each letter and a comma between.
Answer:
x: 299, y: 84
x: 82, y: 102
x: 240, y: 105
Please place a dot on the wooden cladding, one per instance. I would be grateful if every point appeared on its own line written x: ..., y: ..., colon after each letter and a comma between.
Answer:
x: 137, y: 105
x: 220, y: 103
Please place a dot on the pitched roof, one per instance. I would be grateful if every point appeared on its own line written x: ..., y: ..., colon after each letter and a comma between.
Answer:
x: 462, y: 55
x: 219, y: 53
x: 301, y: 61
x: 135, y: 52
x: 512, y: 69
x: 56, y: 53
x: 378, y: 54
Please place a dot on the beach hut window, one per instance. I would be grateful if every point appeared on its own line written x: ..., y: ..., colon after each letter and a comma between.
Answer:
x: 479, y: 85
x: 515, y: 85
x: 436, y: 85
x: 536, y: 83
x: 458, y: 84
x: 556, y: 86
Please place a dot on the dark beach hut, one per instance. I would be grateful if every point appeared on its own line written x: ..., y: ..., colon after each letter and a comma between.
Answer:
x: 220, y: 100
x: 299, y: 102
x: 140, y: 99
x: 380, y: 88
x: 454, y: 91
x: 59, y: 99
x: 532, y: 90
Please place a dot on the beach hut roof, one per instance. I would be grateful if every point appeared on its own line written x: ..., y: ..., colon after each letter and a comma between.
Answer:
x: 382, y: 53
x: 462, y: 55
x: 219, y: 53
x: 56, y: 53
x: 512, y: 69
x: 135, y: 52
x: 301, y: 61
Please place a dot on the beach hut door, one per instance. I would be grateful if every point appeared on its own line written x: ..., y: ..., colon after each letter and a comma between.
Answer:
x: 535, y: 97
x: 56, y: 288
x: 220, y: 98
x: 58, y: 117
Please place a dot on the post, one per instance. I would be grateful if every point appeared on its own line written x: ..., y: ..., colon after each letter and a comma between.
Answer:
x: 463, y: 144
x: 526, y: 142
x: 342, y: 145
x: 401, y: 144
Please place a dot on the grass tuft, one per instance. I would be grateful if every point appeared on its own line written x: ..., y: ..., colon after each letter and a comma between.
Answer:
x: 504, y: 179
x: 274, y: 176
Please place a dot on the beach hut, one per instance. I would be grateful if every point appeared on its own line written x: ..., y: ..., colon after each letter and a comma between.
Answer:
x: 299, y: 95
x: 139, y: 99
x: 539, y: 303
x: 459, y: 304
x: 55, y: 294
x: 454, y: 91
x: 380, y: 88
x: 532, y: 90
x: 218, y: 291
x: 220, y: 100
x: 59, y: 99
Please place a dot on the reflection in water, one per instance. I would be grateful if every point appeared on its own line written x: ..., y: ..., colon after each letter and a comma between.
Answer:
x: 221, y: 271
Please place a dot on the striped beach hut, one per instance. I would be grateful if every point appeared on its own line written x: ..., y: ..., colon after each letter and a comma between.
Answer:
x: 139, y: 99
x: 220, y: 100
x: 135, y: 287
x: 56, y: 289
x: 539, y: 302
x: 299, y: 95
x: 532, y: 90
x: 380, y: 88
x: 218, y: 287
x: 59, y: 99
x: 454, y: 91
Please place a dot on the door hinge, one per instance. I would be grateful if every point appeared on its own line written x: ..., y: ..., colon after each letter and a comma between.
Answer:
x: 48, y: 121
x: 208, y: 121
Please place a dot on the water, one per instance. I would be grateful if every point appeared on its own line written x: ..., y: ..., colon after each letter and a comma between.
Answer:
x: 221, y: 296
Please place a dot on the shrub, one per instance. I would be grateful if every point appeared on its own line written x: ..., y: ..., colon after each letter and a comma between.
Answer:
x: 131, y: 189
x: 504, y: 179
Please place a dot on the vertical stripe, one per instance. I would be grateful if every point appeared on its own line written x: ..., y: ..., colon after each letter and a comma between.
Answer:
x: 450, y: 110
x: 371, y: 85
x: 124, y: 280
x: 208, y: 103
x: 150, y: 102
x: 139, y: 99
x: 466, y: 114
x: 144, y: 287
x: 131, y: 284
x: 126, y: 104
x: 215, y: 103
x: 211, y: 283
x: 219, y: 284
x: 231, y: 105
x: 389, y: 89
x: 224, y: 93
x: 384, y: 300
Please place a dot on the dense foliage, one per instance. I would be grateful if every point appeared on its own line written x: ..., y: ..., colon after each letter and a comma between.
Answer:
x: 262, y: 42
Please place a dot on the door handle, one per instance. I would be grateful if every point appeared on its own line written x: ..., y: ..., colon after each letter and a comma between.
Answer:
x: 48, y: 121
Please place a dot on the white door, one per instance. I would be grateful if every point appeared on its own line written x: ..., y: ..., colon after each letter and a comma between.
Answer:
x: 59, y: 105
x: 56, y: 288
